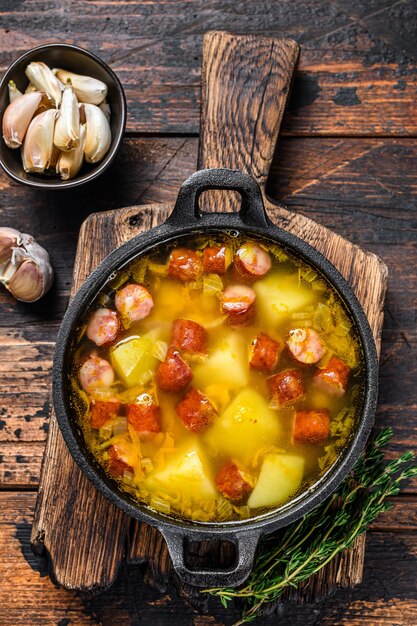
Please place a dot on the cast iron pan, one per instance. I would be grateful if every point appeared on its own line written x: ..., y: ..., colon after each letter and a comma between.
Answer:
x: 186, y: 220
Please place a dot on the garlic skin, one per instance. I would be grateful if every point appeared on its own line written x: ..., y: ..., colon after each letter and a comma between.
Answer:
x: 25, y: 269
x: 42, y: 77
x: 8, y: 240
x: 38, y: 146
x: 70, y: 163
x: 14, y: 92
x: 105, y: 107
x: 86, y: 88
x: 67, y: 127
x: 17, y: 117
x: 98, y: 137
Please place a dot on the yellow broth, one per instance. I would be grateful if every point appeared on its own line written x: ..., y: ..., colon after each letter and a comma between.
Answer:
x: 174, y: 471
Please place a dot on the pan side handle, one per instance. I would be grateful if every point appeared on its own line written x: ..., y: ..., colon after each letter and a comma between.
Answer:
x: 246, y: 81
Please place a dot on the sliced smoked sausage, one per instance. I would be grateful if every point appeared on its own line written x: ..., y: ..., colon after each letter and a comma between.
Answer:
x: 265, y: 353
x: 305, y: 345
x: 144, y: 416
x: 103, y: 410
x: 238, y: 304
x: 251, y: 261
x: 233, y: 482
x: 94, y: 373
x: 311, y: 426
x: 286, y: 387
x: 189, y: 337
x: 333, y: 379
x: 134, y: 302
x: 195, y: 411
x: 216, y: 259
x: 173, y: 374
x: 103, y: 327
x: 184, y: 265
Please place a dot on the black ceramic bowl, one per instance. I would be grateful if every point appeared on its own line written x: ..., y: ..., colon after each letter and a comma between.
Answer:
x: 79, y: 61
x: 186, y: 221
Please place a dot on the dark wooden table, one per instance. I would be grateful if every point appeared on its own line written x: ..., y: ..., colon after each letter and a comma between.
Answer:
x: 348, y: 159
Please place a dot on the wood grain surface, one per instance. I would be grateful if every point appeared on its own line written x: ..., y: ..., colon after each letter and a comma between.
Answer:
x: 349, y: 165
x: 356, y: 76
x: 246, y: 82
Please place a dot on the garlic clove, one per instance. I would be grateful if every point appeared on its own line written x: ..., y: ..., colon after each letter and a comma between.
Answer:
x: 26, y: 272
x: 98, y: 137
x: 14, y: 92
x: 70, y: 163
x: 27, y: 283
x: 38, y: 146
x: 45, y: 80
x: 30, y: 88
x: 105, y: 107
x: 86, y: 88
x: 17, y: 117
x: 45, y: 104
x: 67, y: 127
x: 56, y: 153
x: 9, y: 238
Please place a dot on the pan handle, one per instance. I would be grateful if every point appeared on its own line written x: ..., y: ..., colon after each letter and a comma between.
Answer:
x: 187, y: 211
x: 244, y: 542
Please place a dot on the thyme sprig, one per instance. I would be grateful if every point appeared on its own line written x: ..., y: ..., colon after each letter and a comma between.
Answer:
x: 306, y: 546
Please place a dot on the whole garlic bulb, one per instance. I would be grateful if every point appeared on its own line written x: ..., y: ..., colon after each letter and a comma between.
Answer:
x: 25, y: 269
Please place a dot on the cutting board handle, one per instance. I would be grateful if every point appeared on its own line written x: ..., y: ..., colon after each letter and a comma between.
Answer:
x: 246, y: 81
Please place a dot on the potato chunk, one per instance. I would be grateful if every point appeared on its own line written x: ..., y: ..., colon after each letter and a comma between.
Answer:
x: 246, y: 425
x: 228, y: 363
x: 132, y: 358
x: 185, y: 473
x: 279, y: 479
x: 278, y: 296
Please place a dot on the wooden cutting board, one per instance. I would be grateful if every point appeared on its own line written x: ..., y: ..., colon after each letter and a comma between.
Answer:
x: 245, y: 85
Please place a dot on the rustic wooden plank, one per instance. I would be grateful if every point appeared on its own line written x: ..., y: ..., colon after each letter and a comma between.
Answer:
x: 27, y: 596
x: 356, y: 75
x: 348, y: 568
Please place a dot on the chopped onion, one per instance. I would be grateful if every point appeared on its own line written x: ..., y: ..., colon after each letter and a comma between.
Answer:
x: 146, y: 377
x: 158, y: 269
x: 160, y: 350
x: 119, y: 425
x: 128, y: 477
x: 160, y: 505
x: 105, y: 432
x: 212, y: 284
x: 146, y: 464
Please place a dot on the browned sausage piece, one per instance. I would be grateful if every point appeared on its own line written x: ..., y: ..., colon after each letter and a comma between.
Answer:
x: 251, y: 261
x: 134, y: 302
x: 216, y: 259
x: 103, y: 410
x: 333, y: 379
x: 184, y: 265
x: 189, y: 337
x: 103, y: 327
x: 173, y: 374
x: 286, y: 386
x: 311, y: 426
x: 265, y: 353
x: 144, y: 416
x: 305, y: 345
x: 238, y: 303
x: 118, y: 461
x: 233, y: 482
x: 195, y: 411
